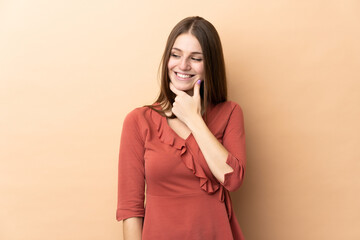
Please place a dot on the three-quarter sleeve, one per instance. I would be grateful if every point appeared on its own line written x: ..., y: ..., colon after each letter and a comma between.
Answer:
x: 234, y: 142
x: 131, y: 174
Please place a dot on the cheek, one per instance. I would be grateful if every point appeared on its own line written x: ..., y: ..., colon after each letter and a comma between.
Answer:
x: 200, y: 68
x: 171, y: 64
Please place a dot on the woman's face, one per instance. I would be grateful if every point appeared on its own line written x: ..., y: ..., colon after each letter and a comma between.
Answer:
x: 186, y: 64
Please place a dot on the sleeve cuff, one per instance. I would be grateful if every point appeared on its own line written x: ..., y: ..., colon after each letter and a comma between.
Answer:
x: 124, y: 214
x: 234, y: 179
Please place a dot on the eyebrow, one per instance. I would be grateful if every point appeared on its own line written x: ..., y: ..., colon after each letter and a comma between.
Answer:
x: 191, y: 53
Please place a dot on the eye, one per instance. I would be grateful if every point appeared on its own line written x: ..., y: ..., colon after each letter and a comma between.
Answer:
x: 196, y: 59
x: 174, y: 55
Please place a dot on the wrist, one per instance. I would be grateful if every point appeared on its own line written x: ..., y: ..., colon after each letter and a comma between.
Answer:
x: 195, y: 122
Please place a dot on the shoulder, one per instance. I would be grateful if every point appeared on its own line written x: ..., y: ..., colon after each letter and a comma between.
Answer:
x: 221, y: 114
x: 227, y: 108
x: 138, y: 113
x: 136, y: 122
x: 137, y: 118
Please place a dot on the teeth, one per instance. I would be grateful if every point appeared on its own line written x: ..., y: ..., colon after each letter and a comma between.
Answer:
x: 183, y: 75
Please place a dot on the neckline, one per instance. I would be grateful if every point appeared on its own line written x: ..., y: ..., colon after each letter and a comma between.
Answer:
x: 165, y: 122
x: 174, y: 135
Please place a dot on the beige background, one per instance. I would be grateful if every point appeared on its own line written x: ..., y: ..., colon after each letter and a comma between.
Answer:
x: 71, y: 70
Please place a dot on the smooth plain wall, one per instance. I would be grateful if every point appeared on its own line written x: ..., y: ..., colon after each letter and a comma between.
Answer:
x: 71, y: 70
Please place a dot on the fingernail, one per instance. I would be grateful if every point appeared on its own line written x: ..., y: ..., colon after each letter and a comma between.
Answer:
x: 199, y: 81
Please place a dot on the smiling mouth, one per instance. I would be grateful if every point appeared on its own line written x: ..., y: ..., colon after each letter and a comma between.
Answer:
x: 184, y: 76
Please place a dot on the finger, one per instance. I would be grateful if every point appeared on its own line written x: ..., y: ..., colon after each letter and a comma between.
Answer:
x: 174, y: 89
x: 197, y: 89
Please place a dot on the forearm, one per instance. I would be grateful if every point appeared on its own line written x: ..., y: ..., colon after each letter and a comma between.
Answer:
x: 132, y: 228
x: 213, y: 151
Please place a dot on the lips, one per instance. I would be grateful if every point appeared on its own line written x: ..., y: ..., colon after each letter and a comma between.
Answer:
x: 184, y: 75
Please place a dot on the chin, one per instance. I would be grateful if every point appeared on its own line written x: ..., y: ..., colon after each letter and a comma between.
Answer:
x: 183, y: 87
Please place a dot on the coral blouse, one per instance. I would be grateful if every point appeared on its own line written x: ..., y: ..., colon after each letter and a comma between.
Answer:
x: 183, y: 198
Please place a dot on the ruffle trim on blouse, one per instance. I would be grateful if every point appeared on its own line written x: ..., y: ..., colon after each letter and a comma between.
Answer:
x: 165, y: 138
x: 205, y: 183
x: 187, y: 158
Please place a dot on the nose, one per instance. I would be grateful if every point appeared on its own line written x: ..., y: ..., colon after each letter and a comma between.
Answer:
x: 184, y: 65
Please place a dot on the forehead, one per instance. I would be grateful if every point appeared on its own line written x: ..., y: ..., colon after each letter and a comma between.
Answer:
x: 187, y: 42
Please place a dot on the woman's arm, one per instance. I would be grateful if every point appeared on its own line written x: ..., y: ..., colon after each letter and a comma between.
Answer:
x: 213, y: 151
x: 188, y: 109
x: 131, y: 177
x: 132, y: 228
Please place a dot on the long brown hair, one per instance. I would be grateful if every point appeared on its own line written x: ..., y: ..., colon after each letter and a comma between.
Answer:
x: 213, y: 87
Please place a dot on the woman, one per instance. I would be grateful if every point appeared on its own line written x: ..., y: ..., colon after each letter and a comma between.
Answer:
x: 188, y: 147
